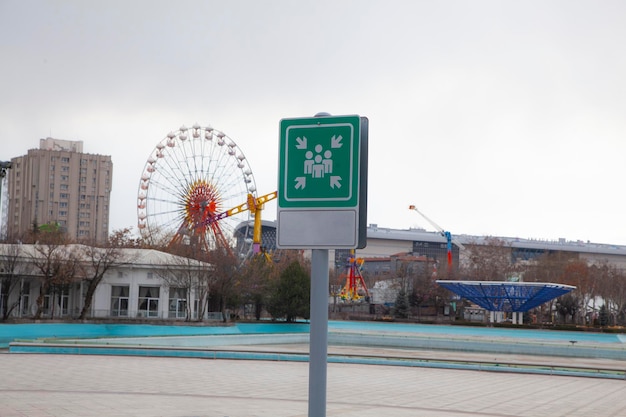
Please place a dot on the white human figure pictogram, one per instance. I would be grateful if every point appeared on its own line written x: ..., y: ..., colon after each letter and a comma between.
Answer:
x: 318, y: 167
x: 317, y: 163
x: 328, y: 162
x: 308, y: 163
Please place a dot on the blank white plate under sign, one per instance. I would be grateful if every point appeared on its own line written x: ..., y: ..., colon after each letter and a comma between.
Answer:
x: 311, y: 229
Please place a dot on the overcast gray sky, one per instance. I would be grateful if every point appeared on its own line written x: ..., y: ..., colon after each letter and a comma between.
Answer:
x: 502, y: 118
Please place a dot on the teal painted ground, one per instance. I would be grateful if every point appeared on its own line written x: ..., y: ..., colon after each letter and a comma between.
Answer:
x: 11, y: 332
x: 472, y: 331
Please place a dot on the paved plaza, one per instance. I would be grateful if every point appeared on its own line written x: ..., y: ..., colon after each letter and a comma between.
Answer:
x: 37, y: 385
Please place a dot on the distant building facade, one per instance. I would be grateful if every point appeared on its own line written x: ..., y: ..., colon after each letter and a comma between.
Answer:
x: 134, y: 287
x: 59, y: 185
x: 386, y: 246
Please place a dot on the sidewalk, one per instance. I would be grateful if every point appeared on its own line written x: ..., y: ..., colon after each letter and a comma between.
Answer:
x: 36, y: 385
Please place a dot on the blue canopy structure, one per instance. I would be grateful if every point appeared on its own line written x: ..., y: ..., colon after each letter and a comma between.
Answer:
x: 506, y: 296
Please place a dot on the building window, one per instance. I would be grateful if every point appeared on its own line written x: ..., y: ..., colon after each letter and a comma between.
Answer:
x: 65, y: 168
x: 62, y: 213
x: 25, y: 299
x: 64, y: 187
x: 119, y: 301
x: 148, y: 302
x: 65, y: 159
x: 56, y: 302
x: 178, y: 303
x: 63, y: 204
x: 64, y: 195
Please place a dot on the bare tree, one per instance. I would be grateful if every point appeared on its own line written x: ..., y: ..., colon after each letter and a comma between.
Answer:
x: 577, y: 273
x: 192, y: 276
x: 549, y: 267
x: 424, y: 289
x: 10, y: 255
x: 99, y: 259
x: 256, y: 274
x: 567, y: 306
x: 490, y: 261
x: 612, y: 289
x: 565, y: 268
x: 57, y: 264
x: 225, y: 277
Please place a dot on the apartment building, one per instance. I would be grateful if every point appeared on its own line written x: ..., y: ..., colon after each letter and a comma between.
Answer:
x: 60, y: 186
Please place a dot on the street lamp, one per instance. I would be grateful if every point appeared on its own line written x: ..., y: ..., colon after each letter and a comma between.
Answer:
x: 4, y: 165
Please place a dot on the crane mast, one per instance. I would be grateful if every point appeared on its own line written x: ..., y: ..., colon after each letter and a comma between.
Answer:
x: 444, y: 233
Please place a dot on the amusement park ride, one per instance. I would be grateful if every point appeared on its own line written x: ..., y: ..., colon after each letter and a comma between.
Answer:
x: 254, y: 205
x: 354, y: 289
x: 197, y: 188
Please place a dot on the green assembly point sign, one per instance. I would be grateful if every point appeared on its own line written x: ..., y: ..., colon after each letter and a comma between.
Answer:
x: 319, y: 162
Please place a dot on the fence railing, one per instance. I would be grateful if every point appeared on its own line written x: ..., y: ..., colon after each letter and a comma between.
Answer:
x: 114, y: 314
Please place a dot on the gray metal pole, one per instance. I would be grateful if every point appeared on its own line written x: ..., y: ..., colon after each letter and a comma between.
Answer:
x: 318, y: 345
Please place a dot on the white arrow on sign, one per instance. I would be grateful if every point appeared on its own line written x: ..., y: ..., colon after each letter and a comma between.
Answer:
x: 335, y: 142
x: 300, y: 182
x: 335, y: 181
x: 301, y: 142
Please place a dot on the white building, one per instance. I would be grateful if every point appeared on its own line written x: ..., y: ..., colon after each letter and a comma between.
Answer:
x: 135, y: 286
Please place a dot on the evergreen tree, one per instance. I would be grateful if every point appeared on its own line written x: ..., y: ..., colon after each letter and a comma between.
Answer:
x: 603, y: 316
x: 401, y: 308
x: 291, y: 294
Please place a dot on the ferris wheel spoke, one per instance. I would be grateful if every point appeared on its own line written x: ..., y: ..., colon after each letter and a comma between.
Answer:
x: 173, y: 172
x: 165, y: 187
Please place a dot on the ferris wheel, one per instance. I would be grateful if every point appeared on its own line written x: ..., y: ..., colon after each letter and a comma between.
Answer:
x: 191, y: 177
